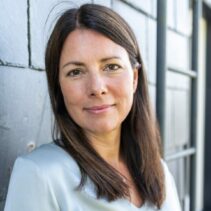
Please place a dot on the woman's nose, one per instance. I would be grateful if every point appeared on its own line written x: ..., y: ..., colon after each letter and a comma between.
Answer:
x: 97, y: 85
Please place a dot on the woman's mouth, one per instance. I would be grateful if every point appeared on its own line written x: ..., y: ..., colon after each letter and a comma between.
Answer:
x: 99, y: 109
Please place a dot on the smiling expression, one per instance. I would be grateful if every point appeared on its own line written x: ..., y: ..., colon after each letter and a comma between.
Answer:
x: 97, y: 81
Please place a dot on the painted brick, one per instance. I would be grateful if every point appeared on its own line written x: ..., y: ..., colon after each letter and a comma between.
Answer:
x: 25, y: 96
x: 177, y: 119
x: 183, y: 19
x: 106, y: 3
x: 177, y: 50
x: 177, y: 81
x: 13, y: 28
x: 137, y: 22
x: 170, y: 139
x: 181, y: 117
x: 41, y: 25
x: 151, y: 50
x: 171, y: 13
x: 154, y: 8
x: 25, y: 116
x: 142, y: 4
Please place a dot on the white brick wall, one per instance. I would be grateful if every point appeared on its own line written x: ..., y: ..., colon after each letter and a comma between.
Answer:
x: 177, y: 119
x: 143, y: 4
x: 183, y: 19
x: 137, y: 21
x: 13, y: 28
x: 25, y: 117
x: 178, y: 81
x: 171, y: 13
x: 106, y: 3
x: 41, y: 24
x: 178, y: 51
x: 151, y: 47
x: 26, y: 105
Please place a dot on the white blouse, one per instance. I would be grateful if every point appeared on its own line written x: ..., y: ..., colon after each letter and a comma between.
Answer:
x: 45, y: 180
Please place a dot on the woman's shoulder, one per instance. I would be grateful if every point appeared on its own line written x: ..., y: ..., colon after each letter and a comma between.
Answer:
x: 45, y: 152
x: 49, y: 158
x: 42, y: 173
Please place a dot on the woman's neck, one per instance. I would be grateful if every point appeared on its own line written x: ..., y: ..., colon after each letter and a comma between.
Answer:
x: 107, y: 146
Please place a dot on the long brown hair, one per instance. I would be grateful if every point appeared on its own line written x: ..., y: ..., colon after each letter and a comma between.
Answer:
x: 140, y: 138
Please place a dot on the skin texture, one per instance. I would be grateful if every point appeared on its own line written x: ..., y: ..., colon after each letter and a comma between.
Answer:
x: 98, y: 88
x: 98, y: 84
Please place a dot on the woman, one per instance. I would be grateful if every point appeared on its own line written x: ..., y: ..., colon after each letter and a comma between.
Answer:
x: 106, y: 155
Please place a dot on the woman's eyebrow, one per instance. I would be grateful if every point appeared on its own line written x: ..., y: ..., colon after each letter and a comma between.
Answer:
x: 109, y: 58
x: 82, y: 64
x: 73, y: 63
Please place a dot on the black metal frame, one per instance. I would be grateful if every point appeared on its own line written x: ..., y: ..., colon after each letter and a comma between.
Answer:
x: 207, y: 145
x: 190, y: 152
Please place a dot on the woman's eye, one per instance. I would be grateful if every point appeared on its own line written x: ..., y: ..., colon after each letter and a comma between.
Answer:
x: 74, y: 73
x: 112, y: 67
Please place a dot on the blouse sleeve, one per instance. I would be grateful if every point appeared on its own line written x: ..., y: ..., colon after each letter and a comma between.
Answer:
x: 29, y: 189
x: 172, y: 200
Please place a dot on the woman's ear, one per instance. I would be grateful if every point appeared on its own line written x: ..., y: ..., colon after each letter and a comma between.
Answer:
x: 135, y: 79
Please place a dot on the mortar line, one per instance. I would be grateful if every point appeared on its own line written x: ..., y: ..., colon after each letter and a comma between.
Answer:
x: 28, y: 32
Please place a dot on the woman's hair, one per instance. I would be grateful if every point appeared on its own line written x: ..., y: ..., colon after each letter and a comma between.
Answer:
x: 140, y: 140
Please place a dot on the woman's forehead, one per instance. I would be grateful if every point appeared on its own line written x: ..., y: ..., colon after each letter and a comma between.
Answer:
x: 85, y: 43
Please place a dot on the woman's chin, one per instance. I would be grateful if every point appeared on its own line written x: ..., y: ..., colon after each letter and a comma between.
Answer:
x: 103, y: 130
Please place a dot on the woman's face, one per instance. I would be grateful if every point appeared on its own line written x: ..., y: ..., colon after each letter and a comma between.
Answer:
x: 97, y: 81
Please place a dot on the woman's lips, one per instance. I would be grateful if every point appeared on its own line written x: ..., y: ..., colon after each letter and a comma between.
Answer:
x: 98, y: 109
